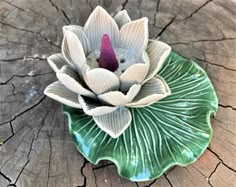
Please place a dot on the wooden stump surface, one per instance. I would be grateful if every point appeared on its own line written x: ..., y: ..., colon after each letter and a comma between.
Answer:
x: 36, y: 149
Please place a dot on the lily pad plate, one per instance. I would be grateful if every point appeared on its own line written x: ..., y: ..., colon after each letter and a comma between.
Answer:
x: 174, y: 131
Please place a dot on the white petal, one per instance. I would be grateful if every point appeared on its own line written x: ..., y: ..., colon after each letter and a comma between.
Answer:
x: 157, y: 52
x: 98, y: 24
x: 117, y: 98
x: 100, y: 80
x: 134, y: 36
x: 60, y: 93
x: 122, y: 18
x: 72, y: 50
x: 81, y: 35
x: 71, y: 80
x: 70, y: 28
x: 56, y: 61
x: 114, y: 123
x: 151, y: 92
x: 94, y: 107
x: 135, y: 74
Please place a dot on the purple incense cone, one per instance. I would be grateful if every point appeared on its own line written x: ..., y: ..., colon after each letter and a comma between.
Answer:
x: 107, y: 59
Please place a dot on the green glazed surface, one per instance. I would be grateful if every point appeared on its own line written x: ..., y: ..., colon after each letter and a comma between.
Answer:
x: 174, y: 131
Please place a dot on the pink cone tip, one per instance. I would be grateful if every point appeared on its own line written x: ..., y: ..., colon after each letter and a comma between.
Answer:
x: 107, y: 59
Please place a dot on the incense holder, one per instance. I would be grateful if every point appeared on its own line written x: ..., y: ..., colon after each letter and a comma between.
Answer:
x: 130, y: 99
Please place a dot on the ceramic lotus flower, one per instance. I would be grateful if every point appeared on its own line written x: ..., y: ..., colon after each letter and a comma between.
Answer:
x: 108, y: 66
x: 121, y: 80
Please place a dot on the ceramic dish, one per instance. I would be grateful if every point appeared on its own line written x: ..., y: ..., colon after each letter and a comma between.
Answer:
x: 173, y: 131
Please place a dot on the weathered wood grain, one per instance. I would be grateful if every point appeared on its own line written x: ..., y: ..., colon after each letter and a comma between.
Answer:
x: 36, y: 149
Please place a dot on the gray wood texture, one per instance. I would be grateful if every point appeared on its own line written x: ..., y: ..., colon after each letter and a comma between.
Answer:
x: 36, y: 149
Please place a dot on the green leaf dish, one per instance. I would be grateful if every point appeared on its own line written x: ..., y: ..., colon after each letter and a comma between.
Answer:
x: 173, y: 131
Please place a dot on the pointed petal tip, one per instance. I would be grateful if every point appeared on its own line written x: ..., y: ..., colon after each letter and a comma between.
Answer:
x: 70, y: 79
x: 70, y: 28
x: 117, y: 98
x: 99, y: 8
x: 98, y: 23
x: 60, y: 93
x: 101, y: 80
x: 73, y: 50
x: 152, y: 91
x: 158, y: 52
x: 114, y: 123
x: 45, y: 91
x: 135, y: 74
x: 134, y: 36
x: 94, y: 108
x: 122, y: 18
x: 144, y: 19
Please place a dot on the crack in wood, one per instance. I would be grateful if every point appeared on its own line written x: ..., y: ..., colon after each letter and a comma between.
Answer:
x: 103, y: 166
x: 168, y: 180
x: 150, y: 184
x: 26, y: 110
x: 35, y: 57
x: 2, y: 143
x: 82, y: 173
x: 8, y: 14
x: 49, y: 157
x: 170, y: 169
x: 33, y: 32
x: 179, y: 43
x: 42, y: 124
x: 210, y: 183
x: 5, y: 177
x: 165, y: 27
x: 199, y: 8
x: 13, y: 133
x: 12, y: 130
x: 214, y: 170
x: 208, y: 179
x: 60, y: 10
x: 227, y: 106
x: 221, y: 160
x: 12, y: 185
x: 95, y: 178
x: 10, y: 181
x: 202, y: 40
x: 212, y: 40
x: 23, y: 76
x: 21, y: 172
x: 30, y: 150
x: 24, y: 10
x: 155, y: 14
x: 14, y: 5
x: 219, y: 65
x: 124, y: 4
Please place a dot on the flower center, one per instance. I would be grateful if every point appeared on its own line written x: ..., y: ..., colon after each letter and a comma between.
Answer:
x: 107, y: 57
x: 124, y: 57
x: 116, y: 60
